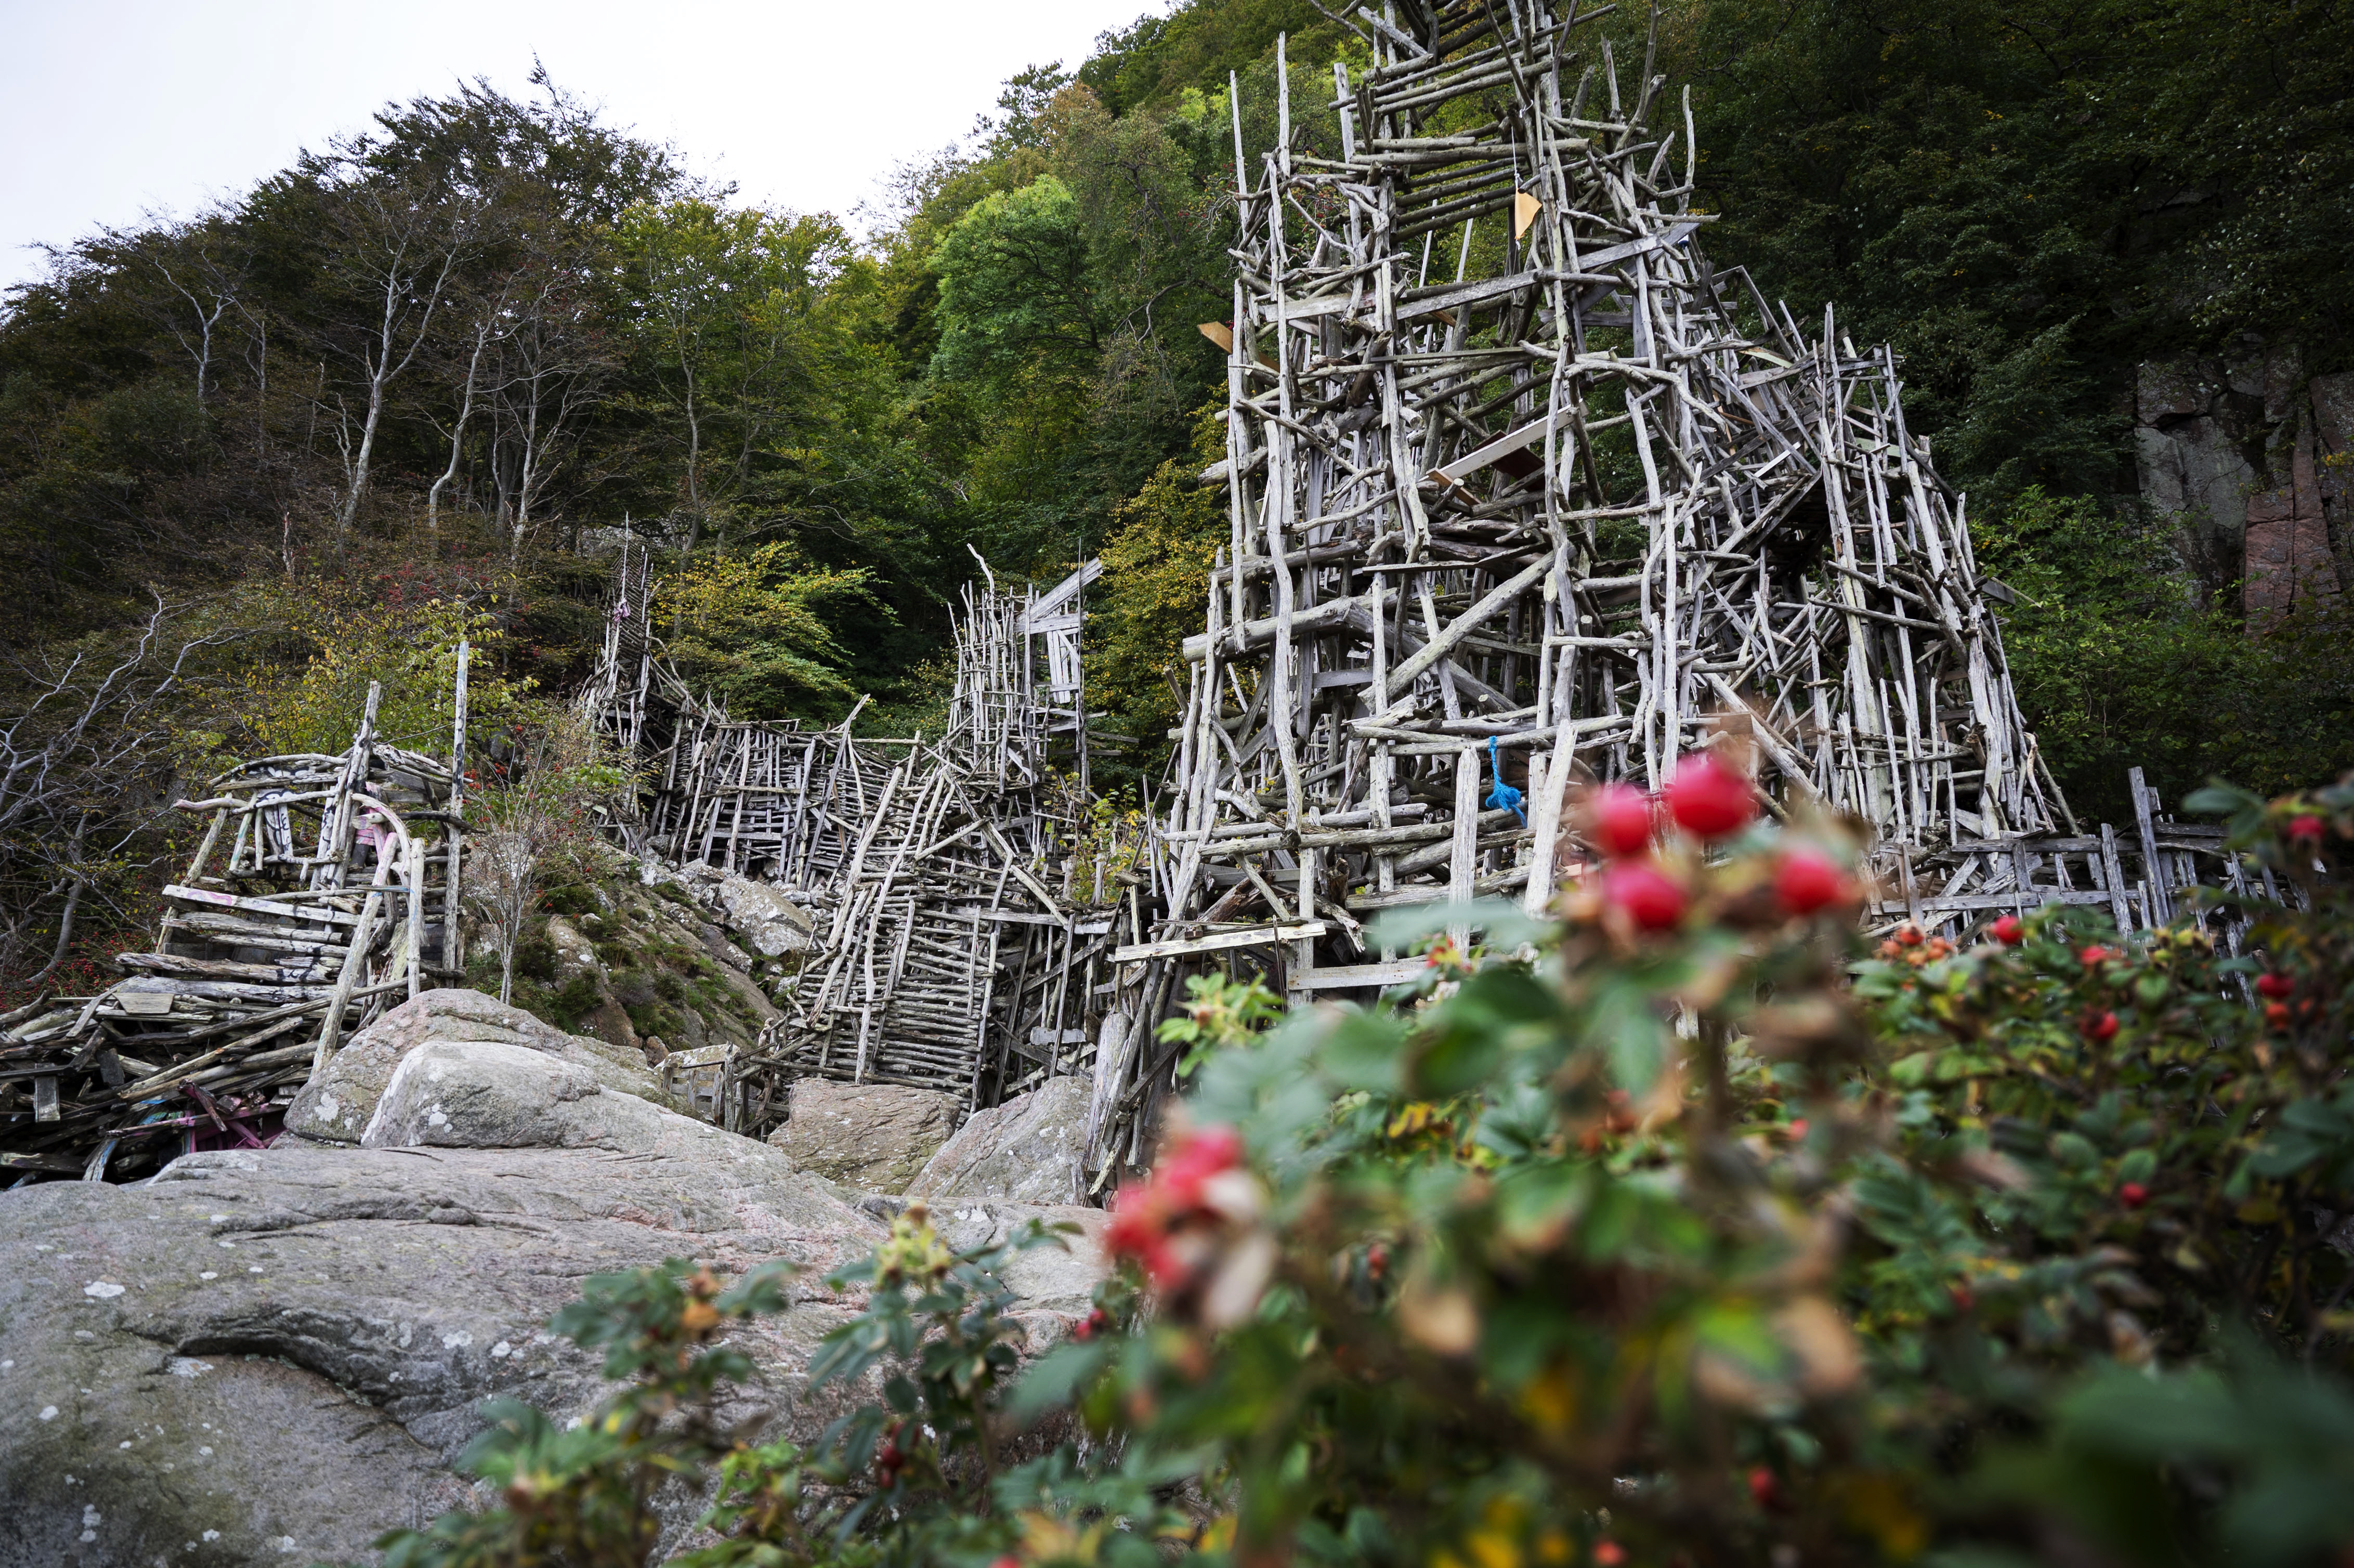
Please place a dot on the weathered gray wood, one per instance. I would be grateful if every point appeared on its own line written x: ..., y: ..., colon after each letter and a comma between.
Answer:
x: 1220, y: 941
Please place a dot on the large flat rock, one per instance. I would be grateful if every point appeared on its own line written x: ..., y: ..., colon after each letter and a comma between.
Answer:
x: 338, y: 1105
x: 277, y: 1354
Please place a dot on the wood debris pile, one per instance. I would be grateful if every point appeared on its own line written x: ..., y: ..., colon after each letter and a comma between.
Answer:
x: 319, y: 895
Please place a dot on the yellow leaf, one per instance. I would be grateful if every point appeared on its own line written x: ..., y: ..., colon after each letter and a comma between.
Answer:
x: 1494, y: 1549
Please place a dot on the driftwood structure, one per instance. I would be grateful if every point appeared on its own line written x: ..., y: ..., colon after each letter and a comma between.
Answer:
x: 2140, y: 878
x: 324, y: 889
x: 1491, y: 535
x: 967, y: 893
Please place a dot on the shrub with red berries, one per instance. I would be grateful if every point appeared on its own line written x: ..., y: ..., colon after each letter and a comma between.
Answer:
x: 1655, y: 876
x: 1195, y: 1226
x: 1713, y: 1235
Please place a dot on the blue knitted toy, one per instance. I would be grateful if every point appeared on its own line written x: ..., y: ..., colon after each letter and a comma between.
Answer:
x: 1503, y: 798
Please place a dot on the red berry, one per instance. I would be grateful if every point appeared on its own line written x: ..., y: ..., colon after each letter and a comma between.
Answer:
x: 1766, y: 1487
x: 1608, y: 1553
x: 2275, y: 985
x: 2102, y: 1026
x: 1652, y: 899
x: 1208, y: 1152
x: 1708, y: 799
x: 1962, y: 1296
x: 2305, y: 828
x: 1799, y: 1128
x: 2276, y: 1014
x: 1808, y: 879
x: 1621, y: 821
x: 1908, y: 936
x: 2095, y: 954
x: 2132, y: 1195
x: 1008, y: 1561
x: 1377, y: 1260
x: 2011, y: 930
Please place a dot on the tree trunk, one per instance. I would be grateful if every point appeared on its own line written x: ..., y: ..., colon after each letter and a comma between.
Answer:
x: 350, y: 509
x: 65, y: 935
x: 379, y: 370
x: 693, y: 469
x: 456, y: 433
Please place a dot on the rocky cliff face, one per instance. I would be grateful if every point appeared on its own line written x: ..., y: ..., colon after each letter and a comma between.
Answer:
x: 653, y: 960
x: 2255, y: 463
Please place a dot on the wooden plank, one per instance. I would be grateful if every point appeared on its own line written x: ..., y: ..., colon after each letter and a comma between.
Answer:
x: 1220, y: 941
x: 312, y: 915
x: 1351, y: 977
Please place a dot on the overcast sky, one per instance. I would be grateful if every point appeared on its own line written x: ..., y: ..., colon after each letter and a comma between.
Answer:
x: 111, y: 108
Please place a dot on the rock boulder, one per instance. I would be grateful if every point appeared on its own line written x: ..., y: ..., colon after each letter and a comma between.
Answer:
x: 1026, y: 1151
x: 773, y: 923
x: 277, y: 1354
x: 873, y: 1137
x: 337, y: 1106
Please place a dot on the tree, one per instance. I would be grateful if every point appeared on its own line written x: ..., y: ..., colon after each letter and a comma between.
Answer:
x: 728, y: 309
x: 201, y: 267
x: 1157, y: 563
x: 553, y: 361
x: 85, y: 762
x: 535, y: 808
x: 392, y: 250
x: 2029, y: 199
x: 1016, y: 294
x: 483, y: 317
x: 759, y: 629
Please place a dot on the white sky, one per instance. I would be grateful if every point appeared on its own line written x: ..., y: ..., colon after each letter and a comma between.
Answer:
x: 111, y: 108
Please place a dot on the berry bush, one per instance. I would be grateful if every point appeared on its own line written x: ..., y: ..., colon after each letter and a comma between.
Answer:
x: 1685, y: 1229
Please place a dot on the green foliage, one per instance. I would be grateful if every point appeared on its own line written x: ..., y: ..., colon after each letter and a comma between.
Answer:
x: 1158, y: 59
x: 1601, y: 1246
x: 1149, y: 601
x: 1556, y: 1280
x: 2120, y: 662
x: 906, y: 1481
x: 2030, y: 200
x: 1015, y: 298
x: 747, y: 322
x: 305, y: 686
x: 1219, y: 1014
x: 760, y: 629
